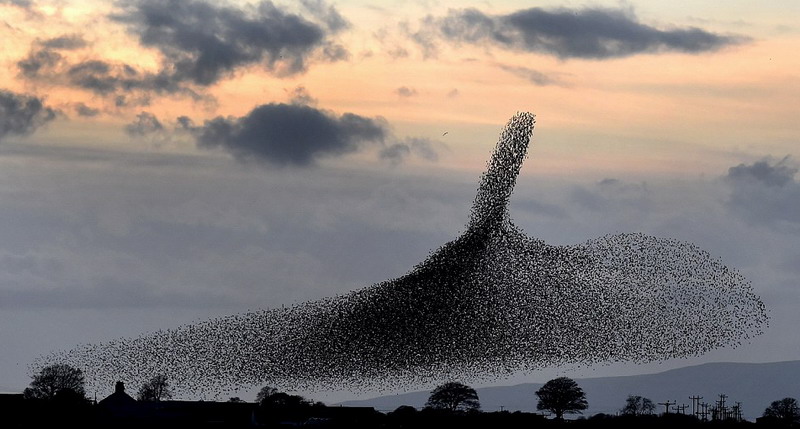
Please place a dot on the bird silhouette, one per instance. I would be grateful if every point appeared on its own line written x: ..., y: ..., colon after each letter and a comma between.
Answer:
x: 491, y: 302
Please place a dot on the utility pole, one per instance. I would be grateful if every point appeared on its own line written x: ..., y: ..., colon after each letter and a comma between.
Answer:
x: 696, y: 405
x: 667, y: 405
x: 704, y: 412
x: 682, y: 408
x: 737, y: 411
x: 722, y: 410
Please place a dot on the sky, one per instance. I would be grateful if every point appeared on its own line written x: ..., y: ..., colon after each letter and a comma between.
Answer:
x: 166, y: 162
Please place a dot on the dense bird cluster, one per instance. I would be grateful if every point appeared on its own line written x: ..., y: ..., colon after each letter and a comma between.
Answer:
x: 492, y: 302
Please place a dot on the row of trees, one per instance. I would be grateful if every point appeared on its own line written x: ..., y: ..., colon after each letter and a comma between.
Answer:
x: 558, y: 396
x: 562, y: 396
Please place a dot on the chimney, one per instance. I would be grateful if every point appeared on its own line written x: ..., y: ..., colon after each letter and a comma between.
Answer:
x: 119, y: 387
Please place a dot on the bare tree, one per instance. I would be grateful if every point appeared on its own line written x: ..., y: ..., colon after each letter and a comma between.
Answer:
x: 561, y: 395
x: 155, y: 390
x: 54, y: 379
x: 785, y: 410
x: 454, y: 396
x: 637, y: 405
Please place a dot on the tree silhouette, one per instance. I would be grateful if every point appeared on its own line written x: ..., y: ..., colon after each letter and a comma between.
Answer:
x: 785, y: 410
x: 637, y: 405
x: 561, y: 395
x: 453, y: 396
x: 56, y: 378
x: 265, y: 393
x: 281, y: 400
x: 155, y: 390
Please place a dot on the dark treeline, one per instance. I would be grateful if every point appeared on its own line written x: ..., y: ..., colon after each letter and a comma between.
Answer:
x: 56, y: 398
x: 31, y: 413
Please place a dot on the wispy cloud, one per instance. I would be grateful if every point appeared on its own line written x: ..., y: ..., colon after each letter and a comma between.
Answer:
x: 145, y: 123
x: 535, y: 77
x: 405, y: 91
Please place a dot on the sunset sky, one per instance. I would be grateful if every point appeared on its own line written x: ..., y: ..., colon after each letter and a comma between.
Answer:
x: 163, y: 162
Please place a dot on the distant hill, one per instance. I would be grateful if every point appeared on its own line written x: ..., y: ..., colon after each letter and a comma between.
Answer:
x: 755, y: 385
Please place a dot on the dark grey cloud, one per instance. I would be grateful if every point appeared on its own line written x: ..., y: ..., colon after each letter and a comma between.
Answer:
x: 765, y: 192
x: 144, y: 124
x: 22, y: 114
x: 37, y: 62
x: 405, y: 91
x: 83, y: 110
x: 289, y: 134
x: 44, y: 56
x: 67, y: 41
x: 200, y: 42
x: 125, y: 83
x: 96, y: 75
x: 203, y: 42
x: 588, y: 33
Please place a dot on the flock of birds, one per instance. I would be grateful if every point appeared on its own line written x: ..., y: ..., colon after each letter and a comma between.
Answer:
x: 490, y: 303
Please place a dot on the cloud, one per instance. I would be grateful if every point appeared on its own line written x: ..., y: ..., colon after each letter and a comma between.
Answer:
x: 589, y: 33
x: 402, y: 149
x: 405, y: 91
x: 38, y: 61
x: 288, y: 134
x: 533, y: 76
x: 22, y: 114
x: 395, y: 153
x: 145, y: 123
x: 765, y: 192
x: 121, y: 81
x: 327, y: 14
x: 200, y: 43
x: 300, y: 95
x: 44, y: 56
x: 24, y: 4
x: 398, y: 52
x: 67, y: 41
x: 203, y: 43
x: 83, y: 110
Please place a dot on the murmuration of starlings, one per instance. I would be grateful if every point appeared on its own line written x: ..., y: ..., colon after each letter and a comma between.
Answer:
x: 490, y: 303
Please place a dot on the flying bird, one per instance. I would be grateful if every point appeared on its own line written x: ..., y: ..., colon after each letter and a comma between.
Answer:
x: 493, y: 301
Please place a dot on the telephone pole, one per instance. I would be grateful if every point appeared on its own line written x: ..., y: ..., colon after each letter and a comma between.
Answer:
x: 696, y: 405
x: 667, y: 405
